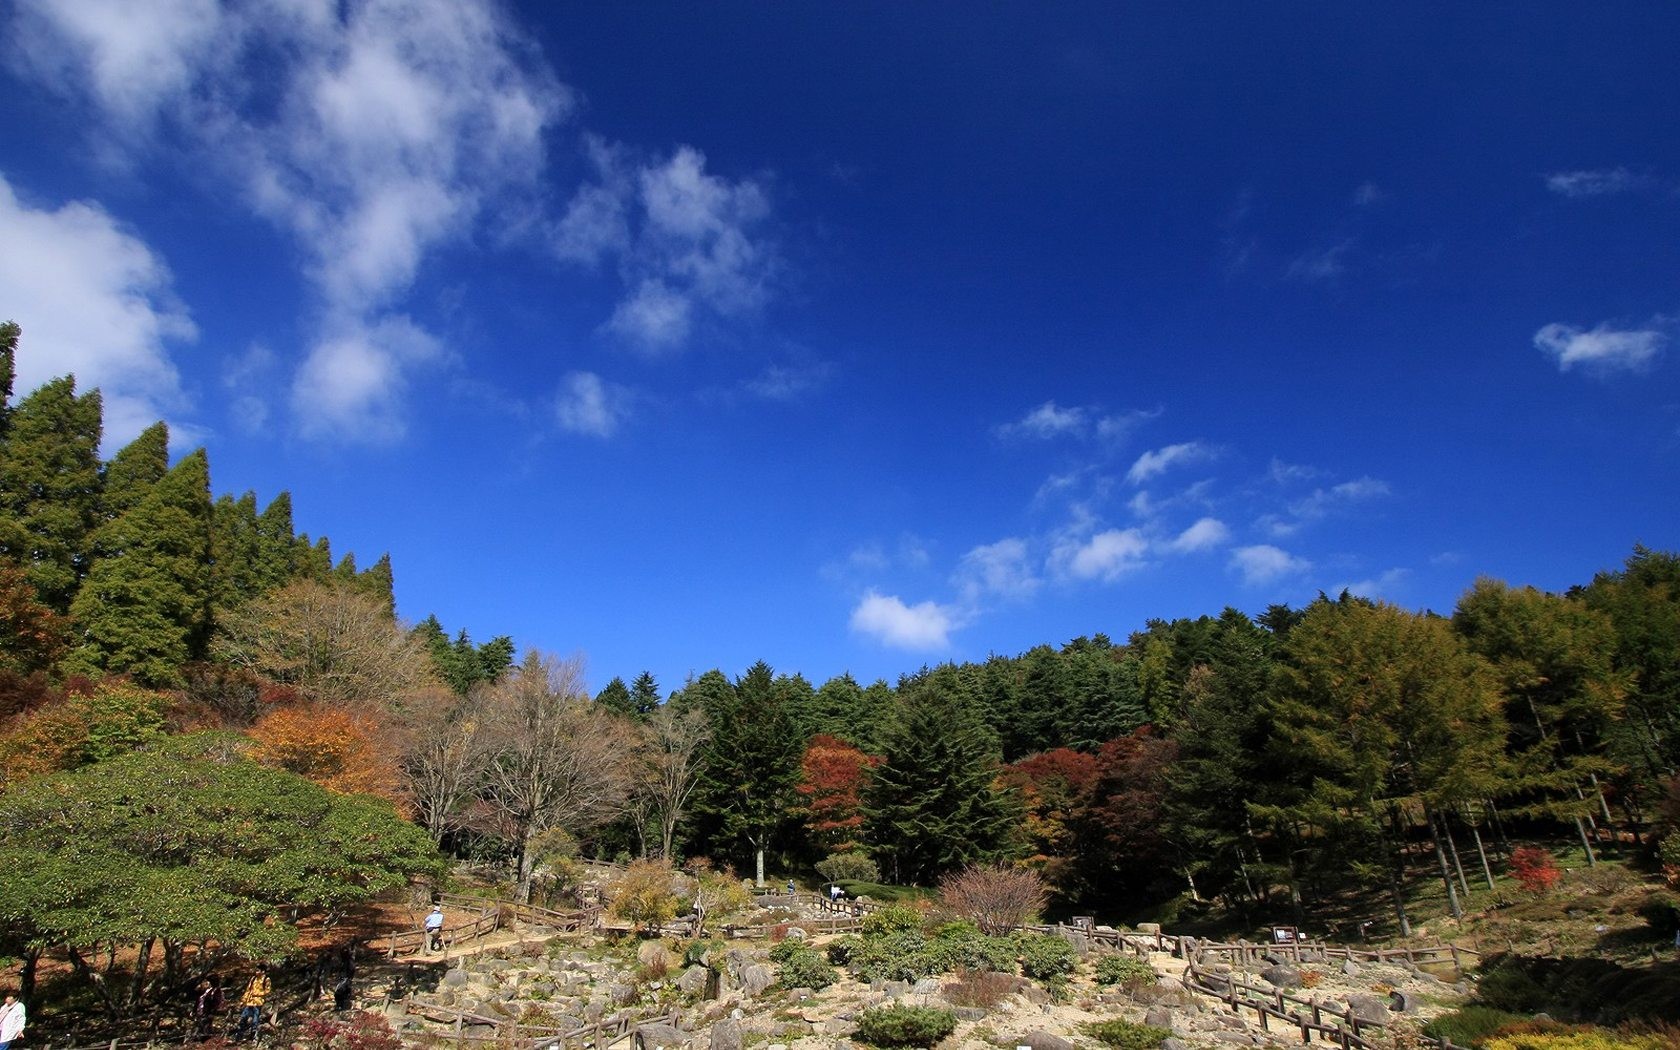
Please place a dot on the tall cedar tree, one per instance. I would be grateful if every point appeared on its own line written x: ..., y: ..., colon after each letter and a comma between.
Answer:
x: 132, y: 472
x: 145, y: 607
x: 934, y: 803
x: 49, y: 488
x: 1642, y: 602
x: 752, y: 765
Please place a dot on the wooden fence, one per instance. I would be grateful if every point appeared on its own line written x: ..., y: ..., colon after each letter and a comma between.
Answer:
x: 599, y: 1035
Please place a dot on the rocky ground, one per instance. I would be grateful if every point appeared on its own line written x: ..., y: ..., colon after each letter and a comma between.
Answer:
x: 729, y: 998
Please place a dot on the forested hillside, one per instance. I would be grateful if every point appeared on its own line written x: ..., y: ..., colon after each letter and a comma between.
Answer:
x: 1255, y: 763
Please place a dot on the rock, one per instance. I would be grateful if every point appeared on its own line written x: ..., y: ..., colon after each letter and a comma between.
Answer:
x: 894, y: 989
x: 926, y: 986
x: 968, y: 1013
x: 1401, y: 1002
x: 621, y: 994
x: 1032, y: 993
x: 1173, y: 1043
x: 797, y: 933
x: 1159, y: 1016
x: 1042, y: 1040
x: 1149, y: 928
x: 1350, y: 968
x: 654, y: 953
x: 454, y: 979
x: 659, y: 1037
x: 1369, y: 1008
x: 756, y: 978
x: 1281, y: 976
x: 726, y: 1035
x: 1077, y: 938
x: 837, y: 1026
x: 1237, y: 1038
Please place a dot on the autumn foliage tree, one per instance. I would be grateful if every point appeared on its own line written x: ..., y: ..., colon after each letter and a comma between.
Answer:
x: 330, y: 746
x: 996, y: 898
x: 832, y: 777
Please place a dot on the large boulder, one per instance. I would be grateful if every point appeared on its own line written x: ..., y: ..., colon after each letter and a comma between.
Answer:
x: 1369, y: 1008
x: 693, y: 980
x: 1159, y: 1016
x: 756, y: 978
x: 659, y: 1037
x: 1281, y: 976
x: 726, y: 1035
x: 1045, y: 1041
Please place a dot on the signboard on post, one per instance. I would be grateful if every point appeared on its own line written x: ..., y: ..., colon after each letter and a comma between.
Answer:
x: 1285, y: 935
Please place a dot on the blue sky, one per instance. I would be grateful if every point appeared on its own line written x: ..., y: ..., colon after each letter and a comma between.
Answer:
x: 857, y: 337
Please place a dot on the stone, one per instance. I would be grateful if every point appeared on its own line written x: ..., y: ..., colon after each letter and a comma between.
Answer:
x: 1281, y: 976
x: 1350, y: 968
x: 654, y: 953
x: 1236, y: 1038
x: 1042, y: 1040
x: 968, y: 1013
x: 756, y: 978
x: 1401, y: 1002
x: 1032, y: 993
x: 894, y: 989
x: 837, y: 1026
x: 659, y: 1037
x: 455, y: 979
x: 1369, y: 1008
x: 1149, y: 928
x: 1174, y: 1043
x: 1159, y: 1016
x: 726, y: 1035
x: 926, y: 986
x: 621, y: 994
x: 796, y: 933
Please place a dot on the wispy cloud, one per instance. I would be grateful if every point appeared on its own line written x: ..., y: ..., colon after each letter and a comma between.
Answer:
x: 391, y: 128
x: 1600, y: 350
x: 1383, y: 585
x: 923, y: 627
x: 1205, y: 534
x: 1321, y: 502
x: 1263, y: 563
x: 1367, y: 194
x: 1321, y: 264
x: 1003, y: 568
x: 790, y: 381
x: 1598, y: 182
x: 1160, y: 460
x: 1048, y: 420
x: 687, y: 243
x: 1106, y: 556
x: 101, y: 305
x: 589, y: 405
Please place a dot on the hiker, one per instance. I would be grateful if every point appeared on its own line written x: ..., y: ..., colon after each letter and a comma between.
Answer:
x: 205, y: 1008
x: 434, y: 928
x: 251, y: 1004
x: 12, y: 1018
x: 790, y: 887
x: 343, y: 989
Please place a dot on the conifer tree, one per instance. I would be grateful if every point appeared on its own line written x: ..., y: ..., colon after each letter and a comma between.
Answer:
x: 49, y: 489
x: 934, y: 803
x: 132, y: 472
x: 752, y: 765
x: 234, y: 548
x: 9, y: 333
x: 379, y: 583
x: 644, y: 694
x: 277, y: 559
x: 145, y: 608
x: 615, y: 697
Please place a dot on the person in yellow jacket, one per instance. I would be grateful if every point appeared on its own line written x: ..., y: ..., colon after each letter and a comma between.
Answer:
x: 251, y: 1004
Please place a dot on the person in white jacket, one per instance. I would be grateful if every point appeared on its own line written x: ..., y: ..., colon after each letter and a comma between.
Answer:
x: 12, y: 1019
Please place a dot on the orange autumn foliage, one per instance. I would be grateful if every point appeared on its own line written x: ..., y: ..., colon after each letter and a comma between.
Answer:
x: 339, y: 751
x: 833, y: 774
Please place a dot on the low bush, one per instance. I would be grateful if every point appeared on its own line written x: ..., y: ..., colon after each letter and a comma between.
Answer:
x: 1127, y: 971
x: 1045, y: 957
x: 1471, y: 1025
x: 805, y: 968
x: 1124, y: 1035
x: 982, y: 988
x: 848, y: 867
x: 894, y: 918
x: 899, y: 1025
x: 1511, y: 987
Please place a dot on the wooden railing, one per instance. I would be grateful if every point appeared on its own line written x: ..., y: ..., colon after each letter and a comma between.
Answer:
x: 503, y: 1033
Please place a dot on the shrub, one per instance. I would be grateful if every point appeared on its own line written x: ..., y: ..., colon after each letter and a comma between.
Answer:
x: 995, y: 898
x: 359, y: 1031
x: 805, y: 968
x: 1661, y: 911
x: 644, y: 894
x: 848, y: 867
x: 1470, y: 1025
x: 899, y: 1025
x: 1536, y: 869
x: 1510, y: 987
x: 1124, y: 1035
x: 959, y: 945
x: 1045, y: 957
x: 982, y: 988
x: 894, y: 918
x: 1127, y: 971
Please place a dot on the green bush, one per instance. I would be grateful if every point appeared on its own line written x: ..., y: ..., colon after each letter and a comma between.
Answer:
x: 1661, y: 911
x: 696, y: 951
x: 804, y: 968
x: 894, y: 918
x: 1128, y: 971
x: 899, y: 1025
x: 961, y: 945
x: 1511, y: 987
x: 841, y: 949
x: 1124, y: 1035
x: 1046, y: 957
x: 848, y: 867
x: 1469, y: 1025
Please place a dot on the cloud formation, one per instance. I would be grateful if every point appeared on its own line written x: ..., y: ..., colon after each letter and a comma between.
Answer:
x: 382, y: 130
x: 1159, y: 461
x: 1600, y: 182
x: 686, y: 243
x: 1003, y: 568
x: 589, y: 405
x: 1106, y: 555
x: 1262, y: 564
x: 101, y: 306
x: 1205, y: 534
x: 1600, y: 350
x: 924, y: 627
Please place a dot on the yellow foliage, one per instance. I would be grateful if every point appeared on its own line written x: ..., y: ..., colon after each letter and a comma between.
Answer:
x: 1598, y: 1039
x: 645, y: 894
x: 330, y: 747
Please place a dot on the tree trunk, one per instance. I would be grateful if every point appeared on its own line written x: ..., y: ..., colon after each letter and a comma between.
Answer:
x: 26, y: 976
x: 1586, y: 843
x: 137, y: 993
x: 1452, y: 850
x: 1481, y: 852
x: 1441, y: 859
x: 758, y: 864
x: 527, y: 865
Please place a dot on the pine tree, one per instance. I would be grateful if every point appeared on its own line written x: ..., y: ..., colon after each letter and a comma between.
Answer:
x: 379, y: 583
x: 145, y: 608
x: 752, y: 765
x: 644, y: 694
x: 235, y: 546
x: 132, y: 472
x: 615, y: 697
x: 277, y: 556
x: 9, y: 333
x: 49, y: 489
x: 934, y: 803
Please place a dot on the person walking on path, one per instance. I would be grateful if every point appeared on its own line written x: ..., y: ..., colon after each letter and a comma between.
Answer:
x: 434, y: 928
x: 206, y: 1007
x: 12, y: 1018
x: 251, y: 1004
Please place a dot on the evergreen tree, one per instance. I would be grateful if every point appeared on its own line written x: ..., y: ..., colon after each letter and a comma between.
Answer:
x: 752, y: 764
x: 934, y: 803
x: 9, y: 333
x: 145, y: 608
x: 235, y: 545
x: 378, y: 581
x: 277, y: 546
x: 644, y: 694
x: 49, y: 489
x: 615, y: 697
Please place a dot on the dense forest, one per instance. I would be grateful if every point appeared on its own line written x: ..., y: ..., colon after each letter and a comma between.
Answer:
x: 154, y: 634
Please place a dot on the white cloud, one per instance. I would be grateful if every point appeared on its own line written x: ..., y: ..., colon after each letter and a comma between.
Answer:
x: 1367, y: 194
x: 1320, y: 503
x: 1161, y: 460
x: 1119, y: 427
x: 1048, y: 420
x: 1264, y: 563
x: 1601, y: 182
x: 1321, y: 264
x: 1288, y: 473
x: 1205, y: 534
x: 1106, y: 556
x: 1383, y: 585
x: 352, y: 382
x: 686, y: 242
x: 382, y: 130
x: 1000, y: 568
x: 924, y: 627
x: 99, y: 305
x: 587, y: 404
x: 1601, y: 350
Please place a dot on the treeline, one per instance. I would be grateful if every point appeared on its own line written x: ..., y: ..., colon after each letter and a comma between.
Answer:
x: 1261, y: 763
